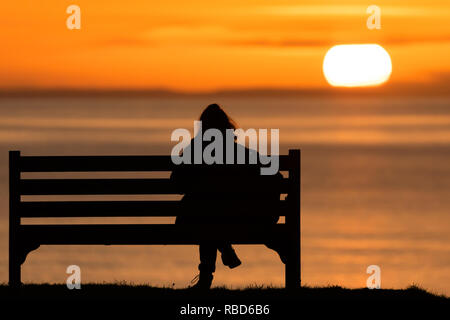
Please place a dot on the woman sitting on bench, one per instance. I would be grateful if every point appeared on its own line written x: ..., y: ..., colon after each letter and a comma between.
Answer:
x: 215, y: 205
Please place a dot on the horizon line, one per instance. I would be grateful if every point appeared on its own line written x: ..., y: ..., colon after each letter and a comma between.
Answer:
x: 415, y: 89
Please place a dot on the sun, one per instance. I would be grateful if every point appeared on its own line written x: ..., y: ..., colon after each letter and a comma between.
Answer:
x: 357, y: 65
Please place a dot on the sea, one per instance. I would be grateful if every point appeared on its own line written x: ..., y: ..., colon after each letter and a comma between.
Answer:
x: 375, y: 185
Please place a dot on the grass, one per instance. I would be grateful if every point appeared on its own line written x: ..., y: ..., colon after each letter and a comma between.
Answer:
x: 125, y: 291
x: 129, y: 302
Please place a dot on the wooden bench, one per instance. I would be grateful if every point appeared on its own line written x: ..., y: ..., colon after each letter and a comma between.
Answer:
x: 23, y: 238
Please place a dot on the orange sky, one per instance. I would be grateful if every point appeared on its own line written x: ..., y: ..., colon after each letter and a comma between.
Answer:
x: 207, y: 45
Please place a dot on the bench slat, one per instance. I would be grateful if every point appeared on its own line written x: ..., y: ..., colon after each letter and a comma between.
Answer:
x: 96, y: 186
x: 59, y: 209
x: 95, y: 163
x: 107, y: 163
x: 131, y: 234
x: 132, y: 186
x: 67, y: 209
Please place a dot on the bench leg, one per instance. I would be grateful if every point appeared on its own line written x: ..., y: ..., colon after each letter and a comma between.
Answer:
x: 292, y: 273
x: 293, y: 265
x: 14, y: 219
x: 14, y: 266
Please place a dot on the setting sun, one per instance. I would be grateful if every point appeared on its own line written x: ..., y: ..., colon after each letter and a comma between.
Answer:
x: 357, y: 65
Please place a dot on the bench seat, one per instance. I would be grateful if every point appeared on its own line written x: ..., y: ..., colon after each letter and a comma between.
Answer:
x: 144, y: 234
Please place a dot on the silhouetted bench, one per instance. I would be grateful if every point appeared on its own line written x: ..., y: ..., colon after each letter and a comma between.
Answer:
x: 24, y: 238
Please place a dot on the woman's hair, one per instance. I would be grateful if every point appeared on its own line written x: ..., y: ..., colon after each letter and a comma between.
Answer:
x: 214, y: 117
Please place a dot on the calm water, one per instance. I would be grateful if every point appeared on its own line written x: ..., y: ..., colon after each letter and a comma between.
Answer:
x: 376, y: 183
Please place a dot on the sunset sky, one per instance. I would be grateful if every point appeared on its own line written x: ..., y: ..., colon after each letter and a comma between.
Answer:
x: 375, y: 169
x: 204, y: 45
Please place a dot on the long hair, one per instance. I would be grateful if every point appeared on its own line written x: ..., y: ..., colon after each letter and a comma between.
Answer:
x: 214, y: 117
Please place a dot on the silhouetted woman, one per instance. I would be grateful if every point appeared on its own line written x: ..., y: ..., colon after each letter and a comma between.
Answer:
x: 211, y: 201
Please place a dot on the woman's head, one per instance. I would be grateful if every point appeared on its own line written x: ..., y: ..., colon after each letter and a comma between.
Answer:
x: 214, y: 117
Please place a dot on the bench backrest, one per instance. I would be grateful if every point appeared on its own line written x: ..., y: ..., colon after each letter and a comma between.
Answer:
x: 113, y: 208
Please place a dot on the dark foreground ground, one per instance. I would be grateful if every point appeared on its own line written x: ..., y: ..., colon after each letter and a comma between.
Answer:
x: 276, y: 303
x: 144, y: 292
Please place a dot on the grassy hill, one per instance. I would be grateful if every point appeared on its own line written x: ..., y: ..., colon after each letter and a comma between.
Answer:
x: 170, y: 302
x: 124, y: 291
